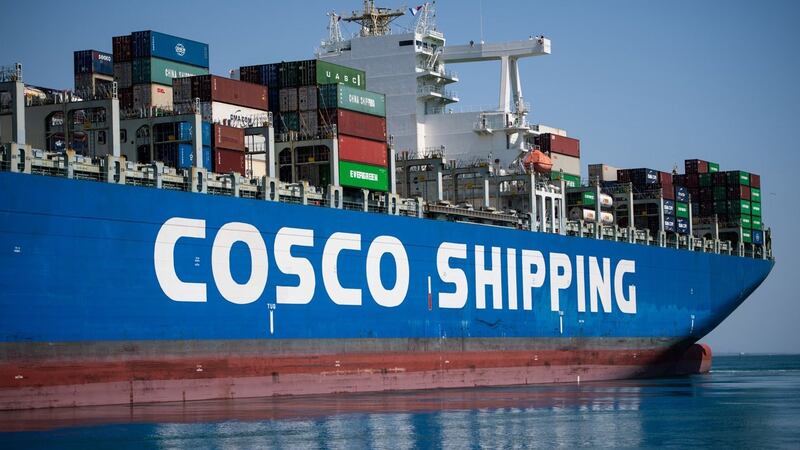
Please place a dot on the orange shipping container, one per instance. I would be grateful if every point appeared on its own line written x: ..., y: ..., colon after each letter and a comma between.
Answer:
x: 228, y: 137
x: 227, y: 161
x: 356, y: 124
x: 360, y: 150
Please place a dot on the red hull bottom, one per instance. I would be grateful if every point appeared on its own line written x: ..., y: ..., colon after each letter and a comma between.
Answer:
x: 47, y: 384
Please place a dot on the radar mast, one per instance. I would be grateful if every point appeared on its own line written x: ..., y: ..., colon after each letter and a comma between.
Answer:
x: 374, y: 20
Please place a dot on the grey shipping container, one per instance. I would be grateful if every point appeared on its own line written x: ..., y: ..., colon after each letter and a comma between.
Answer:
x: 307, y: 98
x: 288, y: 99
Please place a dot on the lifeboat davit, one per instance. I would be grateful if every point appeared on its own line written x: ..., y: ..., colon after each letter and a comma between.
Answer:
x: 538, y: 161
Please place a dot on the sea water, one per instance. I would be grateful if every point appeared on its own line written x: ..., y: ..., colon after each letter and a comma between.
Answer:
x: 745, y: 402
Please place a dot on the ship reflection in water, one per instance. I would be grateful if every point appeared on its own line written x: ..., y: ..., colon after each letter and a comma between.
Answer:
x: 745, y: 401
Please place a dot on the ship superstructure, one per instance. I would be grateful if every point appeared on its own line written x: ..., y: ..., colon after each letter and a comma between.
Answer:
x: 411, y: 68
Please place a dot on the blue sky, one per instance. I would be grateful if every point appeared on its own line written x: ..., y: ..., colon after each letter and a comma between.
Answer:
x: 641, y: 83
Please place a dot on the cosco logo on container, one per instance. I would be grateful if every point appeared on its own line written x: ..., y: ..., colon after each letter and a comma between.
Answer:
x: 180, y: 49
x: 104, y: 58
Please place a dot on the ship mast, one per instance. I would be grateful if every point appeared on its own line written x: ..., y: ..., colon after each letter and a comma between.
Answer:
x: 335, y: 39
x: 374, y: 20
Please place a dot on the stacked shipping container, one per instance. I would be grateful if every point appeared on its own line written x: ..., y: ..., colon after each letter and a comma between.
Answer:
x: 309, y: 97
x: 223, y: 100
x: 231, y: 105
x: 172, y: 145
x: 660, y: 188
x: 565, y: 153
x: 734, y: 197
x: 146, y: 62
x: 94, y: 72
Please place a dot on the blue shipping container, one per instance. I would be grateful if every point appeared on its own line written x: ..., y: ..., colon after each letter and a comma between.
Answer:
x: 681, y: 194
x: 208, y: 160
x: 669, y: 223
x: 185, y: 156
x: 682, y: 225
x: 184, y: 131
x: 147, y: 44
x: 206, y: 135
x: 669, y: 207
x: 93, y: 61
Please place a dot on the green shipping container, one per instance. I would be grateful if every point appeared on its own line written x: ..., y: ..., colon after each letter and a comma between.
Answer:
x: 363, y: 176
x: 713, y: 167
x: 755, y: 195
x: 720, y: 193
x: 329, y: 73
x: 755, y: 209
x: 720, y: 207
x: 739, y: 207
x: 747, y: 236
x: 756, y: 221
x: 738, y: 177
x: 161, y: 71
x: 587, y: 198
x: 571, y: 181
x: 350, y: 98
x: 746, y: 221
x: 682, y: 210
x: 706, y: 180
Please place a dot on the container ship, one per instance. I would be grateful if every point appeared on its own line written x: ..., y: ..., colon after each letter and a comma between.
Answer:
x: 338, y: 224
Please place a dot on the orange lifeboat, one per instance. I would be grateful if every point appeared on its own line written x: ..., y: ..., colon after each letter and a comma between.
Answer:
x: 538, y: 161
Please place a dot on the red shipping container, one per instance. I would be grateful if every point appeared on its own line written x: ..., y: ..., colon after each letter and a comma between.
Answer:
x: 363, y: 151
x: 668, y: 191
x: 692, y: 180
x: 739, y: 192
x: 755, y: 180
x: 665, y: 178
x: 227, y: 161
x: 720, y: 178
x: 212, y: 88
x: 553, y: 143
x: 356, y: 124
x: 228, y: 137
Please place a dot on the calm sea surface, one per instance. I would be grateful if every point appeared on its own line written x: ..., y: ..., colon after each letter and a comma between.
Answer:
x: 746, y: 402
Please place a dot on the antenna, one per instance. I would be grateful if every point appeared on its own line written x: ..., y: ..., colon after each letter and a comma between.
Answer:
x: 374, y: 20
x: 426, y: 18
x: 334, y: 42
x: 480, y: 13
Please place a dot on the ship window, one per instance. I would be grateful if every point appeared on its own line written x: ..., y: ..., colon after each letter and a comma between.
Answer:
x: 405, y: 43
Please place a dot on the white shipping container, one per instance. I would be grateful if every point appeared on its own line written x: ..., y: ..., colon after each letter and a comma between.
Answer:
x: 546, y: 129
x: 123, y: 74
x: 603, y: 172
x: 152, y: 95
x: 569, y: 164
x: 287, y: 99
x: 589, y: 215
x: 307, y: 98
x: 606, y: 201
x: 232, y: 115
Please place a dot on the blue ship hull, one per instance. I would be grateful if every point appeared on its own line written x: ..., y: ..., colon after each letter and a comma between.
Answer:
x: 96, y: 272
